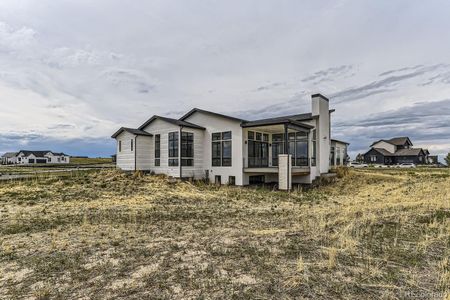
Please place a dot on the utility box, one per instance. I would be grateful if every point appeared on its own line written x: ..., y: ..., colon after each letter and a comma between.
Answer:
x: 284, y: 172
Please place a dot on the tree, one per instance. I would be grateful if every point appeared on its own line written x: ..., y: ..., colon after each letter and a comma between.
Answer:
x: 447, y: 160
x: 360, y: 158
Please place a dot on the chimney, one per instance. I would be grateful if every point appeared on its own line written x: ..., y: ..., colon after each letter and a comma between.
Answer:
x: 321, y: 111
x: 320, y: 104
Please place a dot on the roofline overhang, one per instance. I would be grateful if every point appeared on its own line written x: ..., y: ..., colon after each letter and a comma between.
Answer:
x: 277, y: 122
x: 122, y: 129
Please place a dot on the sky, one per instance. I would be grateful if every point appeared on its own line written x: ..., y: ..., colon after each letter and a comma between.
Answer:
x: 73, y: 72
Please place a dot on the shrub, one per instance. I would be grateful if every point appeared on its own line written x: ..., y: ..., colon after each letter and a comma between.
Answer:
x: 342, y: 171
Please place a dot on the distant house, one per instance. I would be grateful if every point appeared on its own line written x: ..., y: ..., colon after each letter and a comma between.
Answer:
x: 338, y: 153
x: 395, y: 151
x: 8, y: 158
x: 24, y: 157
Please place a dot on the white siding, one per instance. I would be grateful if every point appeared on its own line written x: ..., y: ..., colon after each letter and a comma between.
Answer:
x: 214, y: 124
x: 384, y: 145
x: 163, y: 128
x: 144, y: 152
x: 125, y: 158
x: 198, y: 170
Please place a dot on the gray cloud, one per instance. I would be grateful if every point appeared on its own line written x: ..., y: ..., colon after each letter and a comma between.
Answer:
x: 326, y: 74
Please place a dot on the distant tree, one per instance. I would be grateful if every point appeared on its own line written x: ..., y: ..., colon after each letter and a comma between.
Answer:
x: 447, y: 160
x: 359, y: 158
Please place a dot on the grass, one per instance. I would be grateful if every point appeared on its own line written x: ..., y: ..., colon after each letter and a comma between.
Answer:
x: 371, y: 234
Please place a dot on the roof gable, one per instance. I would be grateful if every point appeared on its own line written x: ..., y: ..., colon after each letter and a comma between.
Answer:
x: 132, y: 131
x: 195, y: 110
x: 180, y: 123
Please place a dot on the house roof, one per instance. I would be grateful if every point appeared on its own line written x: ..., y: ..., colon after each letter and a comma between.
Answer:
x: 342, y: 142
x: 383, y: 151
x: 59, y: 154
x: 409, y: 152
x: 397, y: 141
x: 40, y: 153
x: 9, y: 154
x: 194, y: 110
x: 279, y: 120
x: 132, y: 131
x: 172, y: 121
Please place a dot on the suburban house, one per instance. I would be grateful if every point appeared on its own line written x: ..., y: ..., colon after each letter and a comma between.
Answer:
x: 24, y: 157
x: 229, y: 150
x: 339, y: 153
x: 395, y: 151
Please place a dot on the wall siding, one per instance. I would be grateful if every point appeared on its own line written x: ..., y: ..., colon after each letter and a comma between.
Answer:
x: 125, y: 158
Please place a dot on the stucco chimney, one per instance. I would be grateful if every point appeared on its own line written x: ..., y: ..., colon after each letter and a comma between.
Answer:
x: 321, y: 110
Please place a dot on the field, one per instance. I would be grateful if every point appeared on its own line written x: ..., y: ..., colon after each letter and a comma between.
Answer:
x: 370, y: 234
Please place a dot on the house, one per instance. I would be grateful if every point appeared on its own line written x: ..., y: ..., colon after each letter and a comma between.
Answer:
x: 39, y: 157
x: 229, y: 150
x: 338, y: 153
x: 8, y: 158
x: 395, y: 151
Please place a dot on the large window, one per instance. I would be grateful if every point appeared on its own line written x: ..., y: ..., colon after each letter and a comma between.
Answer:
x: 120, y: 146
x: 131, y: 145
x: 157, y: 150
x: 314, y: 147
x: 298, y: 148
x: 258, y: 149
x: 173, y: 149
x: 221, y: 149
x: 187, y: 149
x: 277, y: 147
x: 338, y: 156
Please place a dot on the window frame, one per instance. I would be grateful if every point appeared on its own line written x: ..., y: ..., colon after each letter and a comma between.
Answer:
x: 220, y: 140
x: 173, y: 148
x: 157, y: 150
x: 187, y: 154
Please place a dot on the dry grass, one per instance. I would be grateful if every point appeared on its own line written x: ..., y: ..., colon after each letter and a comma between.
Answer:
x: 106, y: 235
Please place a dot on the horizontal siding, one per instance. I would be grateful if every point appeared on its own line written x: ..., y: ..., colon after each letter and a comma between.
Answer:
x: 125, y: 158
x: 144, y: 148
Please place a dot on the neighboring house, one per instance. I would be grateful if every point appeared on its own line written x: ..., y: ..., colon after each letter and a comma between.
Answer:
x: 433, y: 159
x: 8, y: 158
x: 395, y: 151
x: 228, y: 150
x: 339, y: 153
x: 39, y: 157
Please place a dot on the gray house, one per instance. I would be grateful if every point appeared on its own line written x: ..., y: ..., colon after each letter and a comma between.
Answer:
x: 395, y: 151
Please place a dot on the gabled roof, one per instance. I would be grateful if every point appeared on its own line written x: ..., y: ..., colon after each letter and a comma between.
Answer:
x: 59, y: 154
x: 409, y: 152
x: 132, y: 131
x: 194, y: 110
x: 172, y: 121
x: 383, y: 152
x: 35, y: 153
x: 396, y: 141
x: 9, y: 154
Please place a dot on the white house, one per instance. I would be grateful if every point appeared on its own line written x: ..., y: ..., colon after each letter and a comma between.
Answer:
x: 228, y: 150
x: 8, y: 158
x: 339, y: 153
x: 24, y: 157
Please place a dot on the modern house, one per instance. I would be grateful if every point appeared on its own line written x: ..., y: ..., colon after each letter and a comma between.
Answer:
x: 229, y: 150
x: 395, y: 151
x: 338, y: 153
x: 24, y: 157
x: 8, y: 158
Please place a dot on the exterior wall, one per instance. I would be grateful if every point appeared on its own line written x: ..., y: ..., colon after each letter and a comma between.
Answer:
x: 372, y: 152
x: 214, y: 124
x: 382, y: 144
x: 198, y: 170
x: 342, y: 149
x: 321, y: 109
x: 163, y: 128
x: 144, y: 151
x: 125, y: 158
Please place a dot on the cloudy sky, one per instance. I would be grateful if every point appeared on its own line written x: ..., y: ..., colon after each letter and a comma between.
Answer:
x: 72, y: 72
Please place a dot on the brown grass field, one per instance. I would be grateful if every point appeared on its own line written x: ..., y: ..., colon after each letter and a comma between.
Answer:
x: 372, y: 234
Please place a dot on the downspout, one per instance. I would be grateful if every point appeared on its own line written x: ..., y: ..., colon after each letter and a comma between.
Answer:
x: 135, y: 153
x: 179, y: 153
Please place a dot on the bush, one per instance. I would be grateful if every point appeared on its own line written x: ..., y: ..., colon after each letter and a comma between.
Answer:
x: 342, y: 171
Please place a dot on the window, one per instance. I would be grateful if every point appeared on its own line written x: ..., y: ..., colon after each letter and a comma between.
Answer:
x: 131, y: 145
x: 187, y: 149
x: 277, y: 147
x: 218, y: 179
x: 332, y: 156
x: 298, y: 147
x: 373, y: 158
x: 258, y: 151
x: 120, y: 146
x: 231, y: 180
x: 173, y: 149
x: 221, y: 149
x: 314, y: 148
x: 338, y: 156
x: 157, y: 150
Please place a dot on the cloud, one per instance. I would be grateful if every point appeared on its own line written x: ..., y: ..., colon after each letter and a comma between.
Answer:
x: 328, y: 74
x: 12, y: 40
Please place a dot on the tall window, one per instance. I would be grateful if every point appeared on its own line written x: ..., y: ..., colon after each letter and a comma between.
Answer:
x: 314, y: 147
x: 258, y: 149
x: 157, y: 150
x: 187, y: 149
x: 277, y: 147
x: 298, y: 148
x: 120, y: 146
x: 338, y: 156
x: 131, y: 145
x: 221, y: 149
x: 173, y: 149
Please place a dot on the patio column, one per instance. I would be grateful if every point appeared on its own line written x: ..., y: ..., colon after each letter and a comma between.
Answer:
x: 286, y: 140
